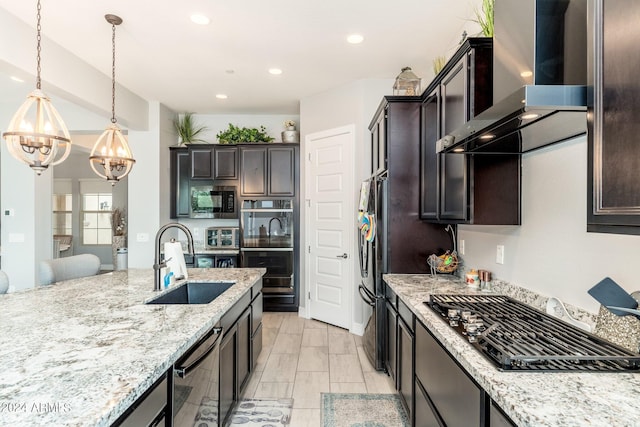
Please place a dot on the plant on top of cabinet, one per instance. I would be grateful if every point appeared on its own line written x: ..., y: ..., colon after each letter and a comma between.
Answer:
x: 237, y: 135
x: 484, y: 18
x: 188, y: 130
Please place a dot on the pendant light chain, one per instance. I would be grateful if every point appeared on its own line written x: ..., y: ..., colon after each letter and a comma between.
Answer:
x: 113, y: 74
x: 39, y: 39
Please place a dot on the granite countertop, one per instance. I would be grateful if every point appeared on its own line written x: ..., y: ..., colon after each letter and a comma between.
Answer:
x: 81, y: 352
x: 529, y: 398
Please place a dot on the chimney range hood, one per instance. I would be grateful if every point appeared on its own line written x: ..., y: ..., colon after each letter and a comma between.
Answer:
x: 539, y: 74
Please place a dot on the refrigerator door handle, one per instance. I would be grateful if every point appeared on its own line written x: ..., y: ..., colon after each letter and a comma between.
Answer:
x: 363, y: 294
x: 363, y: 254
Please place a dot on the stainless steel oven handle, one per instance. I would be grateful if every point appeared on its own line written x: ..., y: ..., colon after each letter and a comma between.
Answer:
x: 183, y: 371
x: 365, y: 297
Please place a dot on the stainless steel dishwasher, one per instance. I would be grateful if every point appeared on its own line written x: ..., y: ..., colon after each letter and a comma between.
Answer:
x: 196, y: 383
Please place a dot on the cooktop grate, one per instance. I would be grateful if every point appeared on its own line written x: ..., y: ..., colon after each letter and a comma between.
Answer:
x: 517, y: 337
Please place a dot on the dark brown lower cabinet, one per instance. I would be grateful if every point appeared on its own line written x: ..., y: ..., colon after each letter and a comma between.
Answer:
x: 257, y: 309
x: 497, y: 418
x: 391, y: 349
x: 244, y: 359
x: 405, y: 365
x: 239, y: 349
x: 455, y: 399
x: 228, y: 376
x: 424, y: 414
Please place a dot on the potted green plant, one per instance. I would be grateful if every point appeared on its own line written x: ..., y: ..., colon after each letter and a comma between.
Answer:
x: 188, y: 130
x: 484, y: 17
x: 236, y: 135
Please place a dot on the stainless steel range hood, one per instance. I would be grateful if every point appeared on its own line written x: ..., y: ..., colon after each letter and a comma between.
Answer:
x: 539, y: 75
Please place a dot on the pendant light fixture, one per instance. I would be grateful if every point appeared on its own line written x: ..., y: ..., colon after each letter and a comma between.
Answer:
x: 111, y: 156
x: 36, y: 134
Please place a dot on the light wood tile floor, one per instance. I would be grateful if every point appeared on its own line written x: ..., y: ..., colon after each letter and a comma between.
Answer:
x: 303, y: 358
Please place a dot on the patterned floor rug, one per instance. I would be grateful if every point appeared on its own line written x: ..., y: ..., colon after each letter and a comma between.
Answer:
x: 262, y: 412
x: 362, y: 410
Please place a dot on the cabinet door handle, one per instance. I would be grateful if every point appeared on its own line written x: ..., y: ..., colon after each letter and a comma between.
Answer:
x: 344, y: 255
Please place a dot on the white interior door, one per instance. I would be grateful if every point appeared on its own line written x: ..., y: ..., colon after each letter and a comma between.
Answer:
x: 330, y: 222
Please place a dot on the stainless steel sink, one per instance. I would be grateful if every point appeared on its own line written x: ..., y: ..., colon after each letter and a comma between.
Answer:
x: 193, y: 293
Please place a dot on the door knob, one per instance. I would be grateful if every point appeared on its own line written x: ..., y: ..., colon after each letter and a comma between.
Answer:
x: 344, y: 255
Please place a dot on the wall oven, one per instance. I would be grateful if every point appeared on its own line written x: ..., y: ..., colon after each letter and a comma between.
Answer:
x: 213, y: 201
x: 267, y: 242
x: 196, y: 380
x: 279, y: 265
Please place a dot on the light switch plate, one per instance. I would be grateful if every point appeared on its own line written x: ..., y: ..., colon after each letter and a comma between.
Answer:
x: 16, y: 237
x: 461, y: 247
x: 142, y: 237
x: 500, y: 254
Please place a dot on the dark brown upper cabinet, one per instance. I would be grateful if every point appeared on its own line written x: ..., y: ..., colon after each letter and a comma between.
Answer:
x: 612, y: 119
x: 268, y: 171
x: 212, y: 162
x: 464, y: 188
x: 179, y: 182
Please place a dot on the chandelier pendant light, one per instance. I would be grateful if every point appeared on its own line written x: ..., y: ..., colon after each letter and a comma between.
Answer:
x: 111, y: 156
x: 36, y: 135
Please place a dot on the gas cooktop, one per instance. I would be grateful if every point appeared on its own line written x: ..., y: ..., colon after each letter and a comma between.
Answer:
x: 517, y: 337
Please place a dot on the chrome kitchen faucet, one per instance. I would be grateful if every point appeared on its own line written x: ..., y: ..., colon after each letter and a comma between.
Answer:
x: 157, y: 265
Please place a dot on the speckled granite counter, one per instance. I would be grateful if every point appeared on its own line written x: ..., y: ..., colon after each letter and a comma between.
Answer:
x: 80, y: 352
x: 529, y: 398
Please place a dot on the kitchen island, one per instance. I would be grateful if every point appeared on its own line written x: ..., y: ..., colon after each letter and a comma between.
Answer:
x: 528, y: 398
x: 80, y: 352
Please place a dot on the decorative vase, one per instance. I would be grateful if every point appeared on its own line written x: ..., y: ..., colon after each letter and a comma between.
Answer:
x: 116, y: 243
x: 290, y: 135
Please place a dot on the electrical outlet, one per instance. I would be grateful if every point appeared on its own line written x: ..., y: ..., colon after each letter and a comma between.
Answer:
x: 461, y: 247
x: 500, y: 254
x: 142, y: 237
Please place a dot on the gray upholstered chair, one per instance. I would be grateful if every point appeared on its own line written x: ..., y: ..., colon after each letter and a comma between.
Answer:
x: 4, y: 282
x: 72, y: 267
x: 65, y: 242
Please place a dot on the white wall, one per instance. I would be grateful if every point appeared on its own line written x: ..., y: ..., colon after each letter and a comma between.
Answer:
x: 26, y: 235
x: 354, y: 103
x: 273, y: 123
x: 84, y: 85
x: 149, y: 184
x: 551, y: 252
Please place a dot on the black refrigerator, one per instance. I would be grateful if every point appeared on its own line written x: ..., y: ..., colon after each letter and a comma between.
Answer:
x: 371, y: 287
x: 402, y: 242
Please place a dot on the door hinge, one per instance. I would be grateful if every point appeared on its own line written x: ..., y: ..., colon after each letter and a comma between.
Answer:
x: 309, y: 293
x: 309, y: 156
x: 309, y: 248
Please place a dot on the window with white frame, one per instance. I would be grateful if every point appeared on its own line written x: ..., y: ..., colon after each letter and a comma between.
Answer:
x: 62, y: 207
x: 95, y: 215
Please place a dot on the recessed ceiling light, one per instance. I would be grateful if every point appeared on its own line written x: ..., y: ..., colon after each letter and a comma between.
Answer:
x: 230, y: 71
x: 17, y: 79
x: 200, y: 19
x: 221, y: 96
x: 355, y: 38
x: 275, y: 71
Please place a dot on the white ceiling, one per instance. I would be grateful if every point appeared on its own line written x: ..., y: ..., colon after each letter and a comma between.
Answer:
x: 163, y: 56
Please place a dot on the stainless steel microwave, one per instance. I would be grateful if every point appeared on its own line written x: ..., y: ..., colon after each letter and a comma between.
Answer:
x: 213, y: 201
